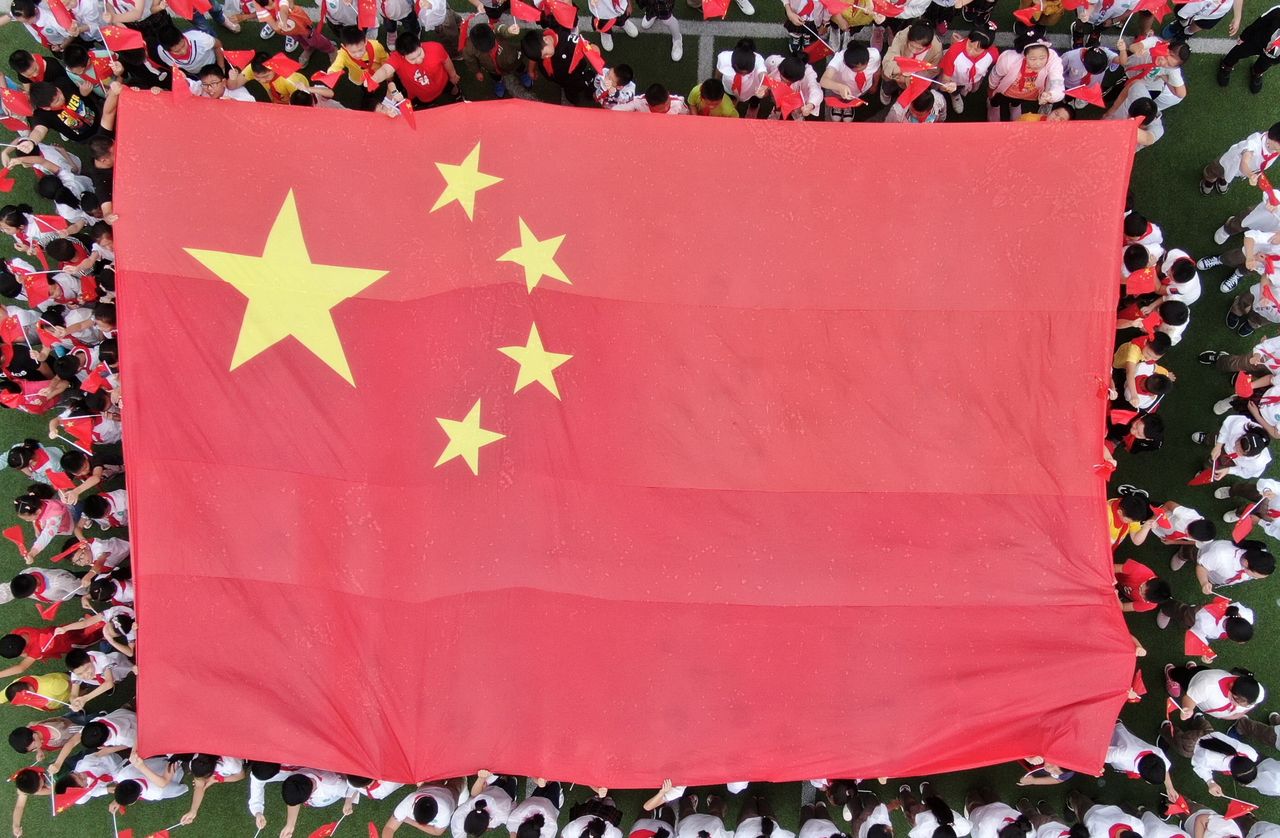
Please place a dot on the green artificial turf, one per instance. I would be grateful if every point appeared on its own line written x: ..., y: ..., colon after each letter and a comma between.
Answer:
x: 1165, y: 187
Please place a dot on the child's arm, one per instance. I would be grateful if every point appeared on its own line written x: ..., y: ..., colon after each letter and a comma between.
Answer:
x: 91, y: 620
x: 290, y: 821
x: 1202, y: 576
x: 24, y: 663
x: 72, y: 744
x: 198, y: 787
x: 108, y: 684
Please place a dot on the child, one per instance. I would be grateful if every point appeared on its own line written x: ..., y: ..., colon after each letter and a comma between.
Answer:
x: 1247, y: 159
x: 423, y: 71
x: 1139, y: 588
x: 656, y: 99
x: 278, y: 88
x: 796, y: 72
x: 537, y: 815
x: 494, y: 54
x: 805, y: 23
x: 46, y: 735
x: 1260, y: 38
x: 1135, y: 758
x: 1158, y: 66
x: 489, y: 807
x: 1085, y: 66
x: 100, y: 671
x: 1199, y: 15
x: 709, y: 99
x: 966, y: 65
x: 208, y: 770
x: 929, y: 816
x: 34, y: 644
x: 1222, y: 563
x: 615, y: 87
x: 929, y: 106
x: 851, y: 74
x: 742, y: 71
x: 662, y: 10
x: 917, y: 42
x: 1239, y: 450
x: 189, y: 52
x: 152, y: 779
x: 1033, y: 77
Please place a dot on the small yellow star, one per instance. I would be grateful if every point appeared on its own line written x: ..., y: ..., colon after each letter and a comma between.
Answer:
x: 289, y: 295
x: 536, y: 363
x: 462, y: 182
x: 538, y: 258
x: 466, y: 438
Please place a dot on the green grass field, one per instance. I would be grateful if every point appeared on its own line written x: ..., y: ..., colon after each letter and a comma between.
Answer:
x: 1165, y: 188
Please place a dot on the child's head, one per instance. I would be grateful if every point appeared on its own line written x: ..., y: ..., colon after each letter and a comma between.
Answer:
x: 1157, y: 383
x: 792, y: 68
x: 1157, y: 590
x: 1136, y: 257
x: 353, y: 41
x: 213, y: 83
x: 1177, y: 55
x: 1183, y: 270
x: 919, y: 36
x: 263, y: 770
x: 534, y: 45
x: 1254, y: 441
x: 75, y: 57
x: 171, y: 39
x: 1273, y: 138
x: 409, y: 46
x: 296, y: 789
x: 531, y: 827
x: 425, y: 809
x: 712, y: 90
x: 1135, y: 507
x: 1174, y: 312
x: 1158, y: 344
x: 1135, y: 225
x: 28, y: 505
x: 1152, y: 769
x: 28, y: 780
x: 127, y: 792
x: 104, y: 317
x: 23, y: 585
x: 1145, y: 110
x: 12, y: 645
x: 202, y: 765
x: 743, y: 57
x: 21, y: 61
x: 658, y: 99
x: 102, y: 151
x: 60, y: 250
x: 94, y: 735
x: 1260, y: 563
x: 79, y: 664
x: 1201, y: 529
x: 1095, y: 60
x: 476, y: 823
x: 1035, y: 57
x: 25, y: 10
x: 978, y: 42
x: 261, y: 71
x: 857, y: 57
x: 1238, y: 629
x: 922, y: 104
x: 95, y: 506
x: 47, y: 96
x: 1059, y: 113
x: 302, y: 98
x: 482, y: 37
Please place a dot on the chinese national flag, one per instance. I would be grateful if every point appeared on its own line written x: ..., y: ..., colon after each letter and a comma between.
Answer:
x: 186, y: 9
x: 81, y: 430
x: 818, y: 50
x: 61, y: 14
x: 16, y: 535
x: 714, y: 8
x: 122, y: 39
x: 1238, y: 808
x: 784, y: 96
x: 527, y: 12
x: 465, y: 425
x: 1091, y: 93
x: 1194, y: 646
x: 60, y: 481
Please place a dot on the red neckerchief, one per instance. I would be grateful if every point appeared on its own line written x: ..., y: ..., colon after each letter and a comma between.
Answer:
x: 807, y: 10
x: 737, y: 83
x: 555, y: 42
x: 366, y: 65
x: 1137, y: 760
x: 41, y: 66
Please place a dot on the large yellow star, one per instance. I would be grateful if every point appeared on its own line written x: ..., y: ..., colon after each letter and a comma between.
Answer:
x: 466, y: 438
x: 538, y: 258
x: 462, y: 182
x: 536, y: 363
x: 289, y: 295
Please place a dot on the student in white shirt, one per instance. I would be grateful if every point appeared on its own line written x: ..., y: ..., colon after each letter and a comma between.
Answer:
x: 1221, y: 563
x: 757, y: 820
x: 1135, y: 758
x: 428, y: 808
x: 538, y: 815
x: 658, y: 100
x: 1084, y: 66
x: 815, y: 822
x: 1178, y: 277
x: 490, y: 805
x: 100, y: 671
x: 742, y: 70
x: 209, y: 770
x: 314, y: 789
x: 212, y: 84
x: 692, y: 823
x: 1206, y: 823
x: 107, y: 734
x: 991, y: 818
x: 850, y: 74
x: 1247, y: 159
x: 1214, y: 753
x: 1214, y: 692
x: 598, y: 816
x: 152, y: 780
x: 929, y: 815
x: 1102, y: 819
x: 796, y: 72
x: 1199, y: 15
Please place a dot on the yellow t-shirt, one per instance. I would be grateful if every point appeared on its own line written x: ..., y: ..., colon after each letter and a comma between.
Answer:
x: 281, y: 87
x: 724, y: 108
x: 1128, y: 353
x: 354, y: 69
x: 53, y: 685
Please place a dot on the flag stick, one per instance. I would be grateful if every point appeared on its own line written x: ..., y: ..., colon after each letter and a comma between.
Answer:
x: 1252, y: 507
x: 115, y: 829
x: 925, y: 78
x: 53, y: 794
x: 259, y: 832
x: 64, y: 439
x: 47, y: 698
x: 819, y: 37
x: 336, y: 825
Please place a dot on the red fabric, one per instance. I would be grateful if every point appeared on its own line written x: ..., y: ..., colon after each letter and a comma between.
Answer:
x: 1027, y: 15
x: 16, y: 102
x: 527, y: 12
x: 1133, y: 574
x: 1237, y: 808
x: 1243, y: 385
x: 122, y: 39
x: 1091, y: 93
x: 240, y: 58
x: 15, y: 535
x: 1194, y: 646
x: 728, y: 424
x: 714, y: 8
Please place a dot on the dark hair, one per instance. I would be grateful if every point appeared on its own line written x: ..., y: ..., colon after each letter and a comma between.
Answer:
x: 1201, y: 529
x: 169, y: 36
x: 1174, y: 312
x: 23, y: 585
x: 100, y: 146
x: 1152, y: 769
x: 625, y: 74
x: 920, y: 33
x: 531, y: 827
x: 476, y: 822
x: 1135, y: 224
x: 425, y: 809
x: 856, y: 55
x: 923, y: 102
x: 743, y: 58
x: 358, y: 782
x: 24, y: 8
x: 1158, y: 590
x: 792, y: 67
x: 595, y: 828
x: 656, y: 94
x: 128, y: 792
x: 21, y: 739
x: 351, y: 35
x: 94, y: 735
x: 1160, y: 343
x: 941, y: 811
x: 712, y: 90
x: 296, y: 788
x: 20, y: 455
x: 12, y: 645
x: 77, y: 462
x: 1182, y: 270
x: 263, y: 770
x: 1136, y: 507
x: 95, y: 506
x: 43, y: 93
x: 1095, y: 60
x: 979, y: 37
x: 102, y: 590
x: 76, y: 658
x: 1145, y: 109
x: 75, y: 55
x: 27, y: 780
x: 766, y: 827
x: 879, y: 831
x: 20, y: 61
x: 408, y: 42
x: 530, y: 45
x: 203, y: 765
x: 482, y: 37
x: 1179, y: 50
x: 1246, y: 687
x: 1019, y: 828
x: 1254, y: 441
x: 1157, y: 383
x: 259, y: 62
x: 16, y: 215
x: 1237, y: 628
x: 61, y: 250
x: 212, y: 70
x: 1260, y: 562
x: 1136, y: 257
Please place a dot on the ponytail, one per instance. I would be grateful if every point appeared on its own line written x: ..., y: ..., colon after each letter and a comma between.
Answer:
x: 940, y: 810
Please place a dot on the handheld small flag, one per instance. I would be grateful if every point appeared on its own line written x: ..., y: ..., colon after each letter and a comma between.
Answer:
x: 15, y: 535
x: 1170, y: 707
x: 64, y: 801
x: 327, y: 79
x: 1194, y: 646
x: 1091, y: 93
x: 565, y: 14
x: 1239, y: 532
x: 1138, y: 686
x: 819, y: 50
x: 16, y: 102
x: 122, y: 39
x: 592, y: 53
x: 238, y: 58
x: 61, y: 14
x: 1177, y: 807
x: 48, y: 612
x: 6, y: 177
x: 1238, y: 808
x: 527, y: 12
x: 1122, y: 416
x: 836, y: 7
x: 80, y: 429
x: 406, y: 110
x: 918, y: 85
x: 325, y: 831
x: 784, y: 97
x: 912, y: 65
x: 97, y: 379
x: 714, y: 8
x: 464, y: 30
x: 1141, y: 282
x: 366, y: 13
x: 11, y: 331
x: 1203, y: 478
x: 60, y: 481
x: 373, y: 830
x: 1028, y: 15
x: 282, y: 65
x: 1218, y: 608
x: 186, y: 9
x: 834, y: 101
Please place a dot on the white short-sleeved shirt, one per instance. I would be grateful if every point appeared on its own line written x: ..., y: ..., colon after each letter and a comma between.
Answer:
x: 1233, y: 428
x: 739, y: 87
x: 576, y: 827
x: 859, y: 82
x: 432, y: 13
x: 1074, y: 73
x: 1223, y: 562
x: 1126, y: 750
x: 103, y: 662
x: 818, y: 828
x: 750, y: 828
x: 1211, y: 691
x: 528, y: 808
x: 1216, y: 826
x: 123, y: 725
x: 1100, y: 819
x: 115, y: 550
x: 445, y: 800
x: 151, y: 791
x: 1208, y: 627
x: 926, y: 822
x: 1205, y: 10
x: 1179, y: 519
x: 200, y: 55
x: 1154, y: 827
x: 879, y: 817
x: 701, y: 822
x: 1264, y: 829
x: 1268, y: 781
x: 990, y: 818
x: 498, y: 805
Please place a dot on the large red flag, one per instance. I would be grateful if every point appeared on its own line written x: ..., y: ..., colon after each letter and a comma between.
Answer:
x: 681, y: 465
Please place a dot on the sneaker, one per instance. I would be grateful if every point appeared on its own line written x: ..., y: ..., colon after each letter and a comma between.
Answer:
x: 1176, y: 562
x: 1244, y: 329
x: 1220, y: 235
x: 1231, y: 517
x: 1162, y: 620
x: 1170, y: 686
x: 606, y: 41
x: 231, y: 25
x: 677, y: 49
x: 1206, y: 188
x: 1222, y: 406
x: 646, y: 22
x: 305, y: 57
x: 1079, y: 104
x: 905, y: 788
x: 1273, y: 718
x: 1206, y: 263
x: 1222, y: 492
x: 1232, y: 281
x: 1224, y: 75
x: 1233, y: 321
x: 957, y: 103
x: 1255, y: 84
x: 1199, y: 437
x: 500, y: 89
x: 746, y: 7
x: 1221, y: 186
x: 526, y: 81
x: 266, y: 32
x: 290, y: 43
x: 885, y: 98
x: 630, y: 28
x: 1209, y: 357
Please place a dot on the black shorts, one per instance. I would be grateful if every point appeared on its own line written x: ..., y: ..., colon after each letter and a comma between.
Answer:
x: 598, y: 25
x: 660, y: 9
x: 495, y: 13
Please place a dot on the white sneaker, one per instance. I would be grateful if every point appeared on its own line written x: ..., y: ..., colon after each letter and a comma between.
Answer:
x: 646, y: 22
x: 290, y: 43
x: 1231, y: 281
x: 1208, y: 263
x: 957, y: 103
x: 677, y: 49
x: 266, y: 32
x: 1221, y: 235
x: 848, y: 814
x: 747, y: 8
x: 1231, y: 517
x: 1177, y: 563
x: 606, y: 41
x: 1162, y: 621
x: 630, y: 28
x: 1222, y: 406
x: 1222, y: 492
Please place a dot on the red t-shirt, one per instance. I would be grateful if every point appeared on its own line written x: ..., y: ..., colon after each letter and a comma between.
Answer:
x: 422, y: 82
x: 1132, y: 576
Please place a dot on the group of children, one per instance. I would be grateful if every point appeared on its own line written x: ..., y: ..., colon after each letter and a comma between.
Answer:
x: 58, y: 354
